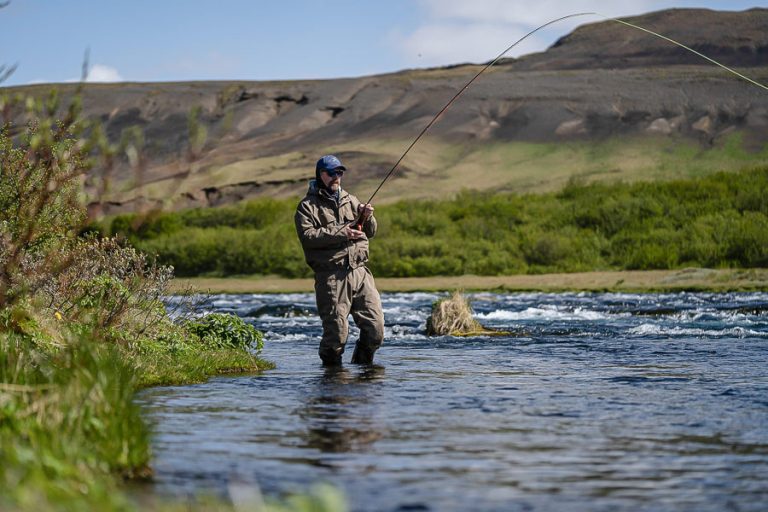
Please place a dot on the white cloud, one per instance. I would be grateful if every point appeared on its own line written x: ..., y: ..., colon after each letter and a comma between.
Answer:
x: 531, y: 13
x: 450, y: 43
x: 102, y: 73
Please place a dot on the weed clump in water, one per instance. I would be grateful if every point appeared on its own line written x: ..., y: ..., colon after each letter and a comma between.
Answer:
x: 454, y: 316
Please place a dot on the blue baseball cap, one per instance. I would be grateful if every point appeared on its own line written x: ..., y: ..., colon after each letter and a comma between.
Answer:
x: 329, y: 163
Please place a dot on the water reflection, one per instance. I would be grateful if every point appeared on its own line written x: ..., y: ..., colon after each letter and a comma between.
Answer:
x: 340, y: 412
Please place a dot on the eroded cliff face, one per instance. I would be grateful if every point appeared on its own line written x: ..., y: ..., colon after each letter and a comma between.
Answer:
x: 601, y: 81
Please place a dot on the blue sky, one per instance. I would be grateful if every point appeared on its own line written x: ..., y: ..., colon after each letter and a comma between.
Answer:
x: 171, y: 40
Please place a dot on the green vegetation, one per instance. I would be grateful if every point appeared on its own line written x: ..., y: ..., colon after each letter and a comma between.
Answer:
x: 82, y: 326
x: 67, y: 424
x: 717, y: 221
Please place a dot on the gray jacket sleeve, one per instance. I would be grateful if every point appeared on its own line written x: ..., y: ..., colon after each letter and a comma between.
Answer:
x: 370, y: 227
x: 313, y: 237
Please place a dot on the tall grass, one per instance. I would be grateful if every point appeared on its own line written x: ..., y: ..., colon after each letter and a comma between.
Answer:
x: 68, y: 425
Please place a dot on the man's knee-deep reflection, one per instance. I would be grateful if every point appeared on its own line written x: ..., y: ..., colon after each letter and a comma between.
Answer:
x: 340, y: 412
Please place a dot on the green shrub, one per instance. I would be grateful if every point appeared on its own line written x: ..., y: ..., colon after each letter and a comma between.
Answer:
x: 40, y: 211
x: 138, y: 227
x: 218, y: 330
x: 747, y: 242
x: 547, y: 249
x: 191, y: 251
x: 656, y: 249
x: 711, y: 221
x: 82, y: 325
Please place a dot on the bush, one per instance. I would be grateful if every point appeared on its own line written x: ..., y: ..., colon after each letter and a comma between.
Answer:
x: 547, y: 249
x: 110, y: 290
x: 652, y: 250
x: 191, y: 251
x: 218, y: 330
x: 747, y: 242
x: 40, y: 211
x: 145, y: 227
x: 82, y: 325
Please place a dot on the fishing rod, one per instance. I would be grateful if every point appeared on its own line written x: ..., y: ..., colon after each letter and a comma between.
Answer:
x: 358, y: 223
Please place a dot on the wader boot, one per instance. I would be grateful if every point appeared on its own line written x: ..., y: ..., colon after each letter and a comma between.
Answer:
x: 338, y: 294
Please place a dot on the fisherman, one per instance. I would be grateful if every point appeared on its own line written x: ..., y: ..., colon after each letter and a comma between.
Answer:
x: 337, y: 250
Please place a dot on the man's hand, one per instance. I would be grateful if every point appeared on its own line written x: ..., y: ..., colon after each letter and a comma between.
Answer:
x: 365, y: 211
x: 354, y: 234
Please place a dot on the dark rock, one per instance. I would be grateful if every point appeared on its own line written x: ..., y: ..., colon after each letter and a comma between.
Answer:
x: 281, y: 310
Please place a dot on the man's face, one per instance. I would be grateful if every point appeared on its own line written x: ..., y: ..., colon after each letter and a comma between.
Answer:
x: 332, y: 179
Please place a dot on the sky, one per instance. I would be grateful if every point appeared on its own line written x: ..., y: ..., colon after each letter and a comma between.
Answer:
x: 178, y: 40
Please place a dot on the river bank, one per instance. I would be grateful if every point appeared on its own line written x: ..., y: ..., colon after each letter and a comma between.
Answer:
x: 70, y: 430
x: 689, y: 279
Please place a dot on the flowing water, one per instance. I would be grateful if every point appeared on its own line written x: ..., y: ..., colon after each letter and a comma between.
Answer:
x: 595, y: 402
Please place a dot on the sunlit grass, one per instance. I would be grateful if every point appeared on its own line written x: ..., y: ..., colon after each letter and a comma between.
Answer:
x: 439, y: 169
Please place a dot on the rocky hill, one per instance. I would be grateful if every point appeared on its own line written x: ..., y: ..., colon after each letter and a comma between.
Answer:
x: 604, y: 102
x: 736, y: 39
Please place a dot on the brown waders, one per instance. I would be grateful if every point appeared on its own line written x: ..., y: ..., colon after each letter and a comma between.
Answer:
x: 339, y: 293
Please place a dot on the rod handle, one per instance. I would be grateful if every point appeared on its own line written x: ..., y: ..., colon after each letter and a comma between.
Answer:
x: 358, y: 224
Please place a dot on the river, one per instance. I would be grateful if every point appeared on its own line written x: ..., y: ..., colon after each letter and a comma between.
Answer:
x: 596, y: 402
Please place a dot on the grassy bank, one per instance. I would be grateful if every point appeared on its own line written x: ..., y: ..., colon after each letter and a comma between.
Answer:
x: 618, y: 281
x: 69, y: 429
x: 82, y: 327
x: 717, y: 221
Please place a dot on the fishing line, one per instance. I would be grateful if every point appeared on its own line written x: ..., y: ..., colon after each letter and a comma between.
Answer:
x: 461, y: 91
x: 681, y: 45
x: 358, y: 221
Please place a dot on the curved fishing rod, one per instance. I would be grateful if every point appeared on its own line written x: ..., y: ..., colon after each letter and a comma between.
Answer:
x: 358, y: 222
x: 461, y: 91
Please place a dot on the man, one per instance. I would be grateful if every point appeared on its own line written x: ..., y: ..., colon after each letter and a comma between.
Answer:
x: 337, y: 251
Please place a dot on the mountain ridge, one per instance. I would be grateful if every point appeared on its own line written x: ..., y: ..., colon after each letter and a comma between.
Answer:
x: 519, y: 125
x: 734, y: 38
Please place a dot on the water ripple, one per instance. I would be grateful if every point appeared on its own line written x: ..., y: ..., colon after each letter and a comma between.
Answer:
x: 595, y: 402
